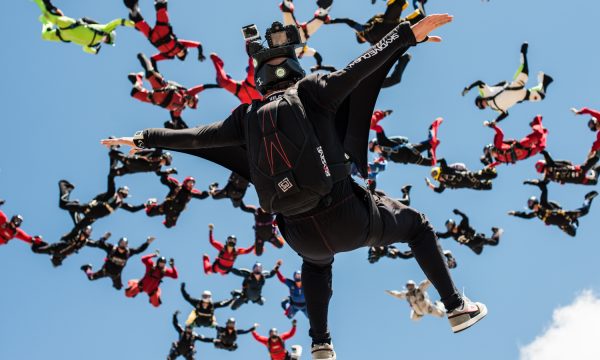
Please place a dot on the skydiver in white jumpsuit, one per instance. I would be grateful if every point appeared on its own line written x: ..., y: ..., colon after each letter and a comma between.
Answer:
x: 504, y: 95
x: 418, y: 300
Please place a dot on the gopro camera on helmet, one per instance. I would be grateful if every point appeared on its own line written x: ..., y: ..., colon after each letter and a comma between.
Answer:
x: 282, y: 42
x: 250, y: 33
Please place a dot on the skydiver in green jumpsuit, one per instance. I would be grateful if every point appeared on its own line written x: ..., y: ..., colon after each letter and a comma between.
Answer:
x: 85, y: 32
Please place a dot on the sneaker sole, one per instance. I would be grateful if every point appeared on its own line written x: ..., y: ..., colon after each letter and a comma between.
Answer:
x: 482, y: 313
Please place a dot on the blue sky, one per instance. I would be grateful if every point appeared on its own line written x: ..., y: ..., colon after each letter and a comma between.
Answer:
x: 58, y: 102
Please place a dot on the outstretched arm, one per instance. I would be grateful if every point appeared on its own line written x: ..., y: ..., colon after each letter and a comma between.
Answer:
x: 473, y: 85
x: 115, y: 23
x: 220, y: 134
x: 197, y: 194
x: 187, y: 297
x: 248, y: 208
x: 522, y: 214
x: 445, y: 235
x: 397, y: 294
x: 465, y: 219
x: 241, y: 272
x: 588, y: 111
x: 503, y: 115
x: 244, y: 251
x: 132, y: 208
x: 217, y: 245
x: 141, y: 248
x: 335, y: 87
x: 176, y: 325
x: 548, y: 158
x: 261, y: 339
x: 290, y: 334
x: 424, y: 285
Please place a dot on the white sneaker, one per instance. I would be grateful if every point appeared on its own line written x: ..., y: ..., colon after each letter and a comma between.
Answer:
x: 323, y: 352
x: 467, y: 315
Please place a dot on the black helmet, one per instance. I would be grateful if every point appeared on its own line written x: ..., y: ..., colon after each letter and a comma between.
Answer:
x: 161, y: 259
x: 230, y: 321
x: 16, y: 220
x: 123, y: 242
x: 450, y: 224
x: 282, y: 42
x: 257, y: 268
x: 533, y: 201
x: 231, y: 240
x: 87, y: 230
x: 479, y: 102
x: 487, y: 150
x: 123, y: 191
x: 298, y: 275
x: 168, y: 158
x: 372, y: 144
x: 593, y: 123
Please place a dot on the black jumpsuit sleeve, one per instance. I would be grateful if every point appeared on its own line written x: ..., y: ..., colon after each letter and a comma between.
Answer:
x: 332, y: 89
x: 132, y: 208
x: 383, y: 140
x: 248, y: 208
x: 200, y: 194
x: 393, y: 11
x: 240, y: 272
x: 139, y: 249
x: 176, y: 325
x: 440, y: 188
x: 100, y: 244
x: 220, y: 134
x: 242, y: 332
x: 188, y: 298
x: 524, y: 215
x: 110, y: 191
x: 223, y: 303
x: 445, y: 235
x: 548, y: 158
x: 464, y: 223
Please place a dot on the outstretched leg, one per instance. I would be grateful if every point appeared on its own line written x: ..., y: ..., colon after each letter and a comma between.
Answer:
x: 396, y: 75
x: 223, y: 79
x: 317, y: 281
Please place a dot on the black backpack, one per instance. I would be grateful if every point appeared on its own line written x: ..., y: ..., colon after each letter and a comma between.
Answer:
x: 287, y: 163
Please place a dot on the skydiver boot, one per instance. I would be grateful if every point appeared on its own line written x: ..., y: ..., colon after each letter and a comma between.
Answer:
x: 406, y: 189
x: 87, y: 269
x: 466, y: 315
x: 323, y: 352
x: 287, y: 6
x: 146, y: 64
x: 322, y: 12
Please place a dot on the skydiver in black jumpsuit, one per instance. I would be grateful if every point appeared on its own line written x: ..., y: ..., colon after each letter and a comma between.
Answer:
x: 101, y: 206
x: 235, y: 190
x: 464, y: 234
x: 115, y: 261
x: 344, y: 217
x: 551, y: 213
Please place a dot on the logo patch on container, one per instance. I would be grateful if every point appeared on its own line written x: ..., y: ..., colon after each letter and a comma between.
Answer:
x: 285, y: 185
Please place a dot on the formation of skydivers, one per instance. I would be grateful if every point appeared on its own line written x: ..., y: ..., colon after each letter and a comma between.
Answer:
x: 275, y: 81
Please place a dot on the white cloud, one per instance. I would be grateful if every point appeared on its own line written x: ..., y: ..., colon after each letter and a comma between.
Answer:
x: 573, y: 335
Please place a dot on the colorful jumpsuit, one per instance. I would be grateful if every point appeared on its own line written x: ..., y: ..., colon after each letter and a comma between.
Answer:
x: 265, y: 229
x: 245, y: 90
x: 84, y: 32
x: 225, y: 260
x: 296, y: 301
x: 8, y: 232
x: 150, y: 283
x: 276, y: 347
x: 511, y: 151
x: 161, y: 36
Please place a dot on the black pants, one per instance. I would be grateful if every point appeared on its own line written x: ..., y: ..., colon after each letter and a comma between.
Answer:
x: 344, y: 226
x: 243, y: 298
x: 224, y: 346
x: 479, y: 241
x: 170, y: 216
x: 175, y: 353
x: 115, y: 277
